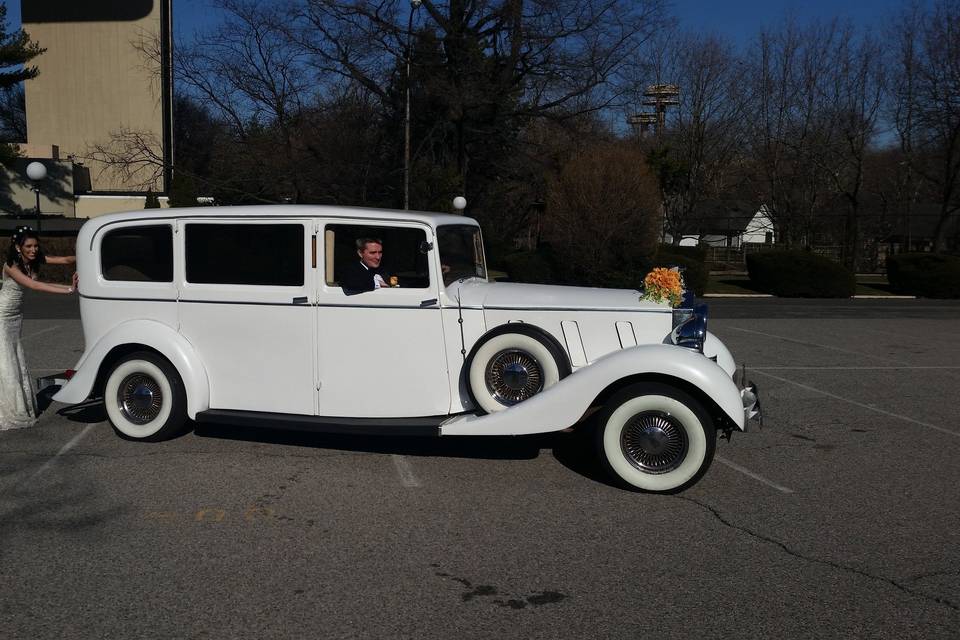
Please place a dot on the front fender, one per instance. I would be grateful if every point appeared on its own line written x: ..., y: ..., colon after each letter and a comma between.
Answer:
x: 149, y: 333
x: 564, y: 403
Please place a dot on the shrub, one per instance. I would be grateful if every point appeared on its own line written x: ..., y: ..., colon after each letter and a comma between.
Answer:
x: 929, y: 275
x: 799, y: 274
x: 529, y: 266
x: 694, y: 269
x: 698, y: 252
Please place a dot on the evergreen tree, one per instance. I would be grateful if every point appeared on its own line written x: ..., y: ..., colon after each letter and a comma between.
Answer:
x: 16, y: 50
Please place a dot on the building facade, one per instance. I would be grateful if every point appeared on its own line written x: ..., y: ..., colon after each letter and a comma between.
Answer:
x: 104, y: 93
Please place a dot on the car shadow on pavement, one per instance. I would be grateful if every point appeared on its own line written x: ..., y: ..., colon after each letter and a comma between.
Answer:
x: 89, y: 412
x: 575, y: 450
x: 493, y: 447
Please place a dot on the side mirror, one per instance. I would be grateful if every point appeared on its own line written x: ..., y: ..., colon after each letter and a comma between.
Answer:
x: 426, y: 247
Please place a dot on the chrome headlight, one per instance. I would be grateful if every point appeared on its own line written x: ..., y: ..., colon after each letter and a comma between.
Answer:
x: 691, y: 332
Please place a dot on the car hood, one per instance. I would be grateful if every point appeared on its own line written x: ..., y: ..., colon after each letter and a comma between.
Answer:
x: 514, y: 295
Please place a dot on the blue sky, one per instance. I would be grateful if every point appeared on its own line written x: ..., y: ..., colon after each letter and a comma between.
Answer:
x: 739, y: 20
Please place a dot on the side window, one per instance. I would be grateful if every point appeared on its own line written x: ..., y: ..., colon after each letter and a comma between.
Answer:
x: 403, y: 254
x: 252, y: 254
x: 138, y: 254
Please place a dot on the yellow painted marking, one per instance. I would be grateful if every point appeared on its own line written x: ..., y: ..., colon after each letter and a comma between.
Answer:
x: 218, y: 515
x: 252, y: 512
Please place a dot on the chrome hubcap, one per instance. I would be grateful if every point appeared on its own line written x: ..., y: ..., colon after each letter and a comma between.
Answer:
x: 654, y: 442
x: 513, y: 376
x: 140, y: 398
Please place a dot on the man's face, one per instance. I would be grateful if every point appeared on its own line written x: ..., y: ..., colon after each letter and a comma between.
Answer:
x: 371, y: 254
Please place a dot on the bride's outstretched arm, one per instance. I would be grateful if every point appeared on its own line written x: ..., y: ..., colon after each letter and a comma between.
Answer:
x: 25, y: 281
x: 61, y: 259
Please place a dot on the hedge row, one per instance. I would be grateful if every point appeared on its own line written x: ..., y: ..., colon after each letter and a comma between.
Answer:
x: 799, y: 274
x: 542, y: 267
x: 928, y: 275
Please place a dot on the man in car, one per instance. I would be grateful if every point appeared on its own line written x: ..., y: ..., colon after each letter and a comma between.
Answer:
x: 365, y: 274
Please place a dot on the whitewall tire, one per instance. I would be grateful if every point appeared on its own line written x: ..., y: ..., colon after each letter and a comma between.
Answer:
x: 511, y: 365
x: 656, y: 438
x: 144, y: 398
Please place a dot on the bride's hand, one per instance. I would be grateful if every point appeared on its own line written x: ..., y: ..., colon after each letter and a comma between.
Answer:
x: 75, y: 280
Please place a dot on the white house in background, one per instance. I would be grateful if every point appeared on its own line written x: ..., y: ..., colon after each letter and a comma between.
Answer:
x: 727, y: 223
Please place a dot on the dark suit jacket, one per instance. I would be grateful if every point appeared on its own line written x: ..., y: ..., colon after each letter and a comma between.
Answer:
x: 355, y: 277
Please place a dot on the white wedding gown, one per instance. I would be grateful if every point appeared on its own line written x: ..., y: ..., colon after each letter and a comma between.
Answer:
x: 18, y: 403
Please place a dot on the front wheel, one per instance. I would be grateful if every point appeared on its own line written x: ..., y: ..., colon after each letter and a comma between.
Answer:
x: 144, y: 398
x: 656, y: 438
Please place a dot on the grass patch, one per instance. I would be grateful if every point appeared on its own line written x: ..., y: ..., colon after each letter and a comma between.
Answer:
x: 730, y: 284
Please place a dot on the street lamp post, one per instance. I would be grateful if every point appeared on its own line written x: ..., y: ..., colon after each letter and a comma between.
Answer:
x: 414, y: 5
x: 37, y: 171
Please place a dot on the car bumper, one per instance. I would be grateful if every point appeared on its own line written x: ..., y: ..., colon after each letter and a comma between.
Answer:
x: 750, y: 396
x: 57, y: 380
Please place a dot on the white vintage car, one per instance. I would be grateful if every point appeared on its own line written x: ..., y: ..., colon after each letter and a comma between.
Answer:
x: 235, y: 316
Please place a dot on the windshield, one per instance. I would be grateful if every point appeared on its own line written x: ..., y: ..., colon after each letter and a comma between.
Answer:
x: 461, y: 252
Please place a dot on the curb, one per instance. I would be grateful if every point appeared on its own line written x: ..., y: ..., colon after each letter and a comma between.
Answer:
x: 769, y: 295
x: 737, y: 295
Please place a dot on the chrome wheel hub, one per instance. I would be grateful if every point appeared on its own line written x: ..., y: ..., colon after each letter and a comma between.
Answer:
x: 654, y: 442
x: 140, y: 398
x: 513, y: 376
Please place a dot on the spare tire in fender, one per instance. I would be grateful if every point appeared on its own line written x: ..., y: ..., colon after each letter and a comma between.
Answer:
x: 511, y: 363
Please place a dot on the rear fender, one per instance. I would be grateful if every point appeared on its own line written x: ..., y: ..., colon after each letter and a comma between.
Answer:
x: 151, y: 335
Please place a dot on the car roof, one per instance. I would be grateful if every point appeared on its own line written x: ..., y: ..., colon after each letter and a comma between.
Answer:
x: 286, y: 211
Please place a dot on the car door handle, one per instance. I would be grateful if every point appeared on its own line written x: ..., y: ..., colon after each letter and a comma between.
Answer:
x: 300, y: 300
x: 428, y: 303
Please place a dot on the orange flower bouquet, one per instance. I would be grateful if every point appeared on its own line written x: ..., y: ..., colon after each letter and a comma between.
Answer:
x: 663, y: 285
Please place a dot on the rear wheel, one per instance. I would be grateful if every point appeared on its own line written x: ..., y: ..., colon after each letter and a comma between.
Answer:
x: 144, y: 398
x: 656, y: 438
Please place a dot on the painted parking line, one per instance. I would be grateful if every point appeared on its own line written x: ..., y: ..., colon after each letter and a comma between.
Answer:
x: 893, y: 368
x: 821, y: 346
x: 405, y: 471
x: 70, y: 445
x: 755, y: 476
x: 40, y: 333
x: 869, y: 407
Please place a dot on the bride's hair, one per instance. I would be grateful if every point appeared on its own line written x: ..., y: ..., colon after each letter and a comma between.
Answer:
x: 15, y: 258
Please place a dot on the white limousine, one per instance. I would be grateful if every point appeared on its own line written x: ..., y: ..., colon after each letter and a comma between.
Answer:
x: 236, y: 316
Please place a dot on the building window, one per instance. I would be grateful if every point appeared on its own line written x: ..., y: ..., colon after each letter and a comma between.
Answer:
x: 250, y: 254
x: 138, y: 254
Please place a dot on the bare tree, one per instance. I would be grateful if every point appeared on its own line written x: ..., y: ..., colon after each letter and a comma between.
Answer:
x: 926, y: 70
x: 787, y: 132
x: 852, y: 89
x: 697, y: 153
x: 500, y: 60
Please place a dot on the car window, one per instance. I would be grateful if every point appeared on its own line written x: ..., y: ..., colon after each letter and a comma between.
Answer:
x: 461, y: 252
x: 403, y: 254
x: 251, y: 254
x: 138, y: 254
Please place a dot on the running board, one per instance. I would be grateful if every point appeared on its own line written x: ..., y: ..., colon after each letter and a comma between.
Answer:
x: 426, y: 426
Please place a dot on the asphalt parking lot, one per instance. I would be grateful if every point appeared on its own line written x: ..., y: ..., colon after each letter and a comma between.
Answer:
x: 839, y: 519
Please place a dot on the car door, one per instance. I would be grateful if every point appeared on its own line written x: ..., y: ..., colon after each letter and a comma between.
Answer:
x: 381, y: 353
x: 245, y: 306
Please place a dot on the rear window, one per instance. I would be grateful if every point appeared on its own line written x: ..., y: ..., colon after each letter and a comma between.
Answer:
x: 251, y: 254
x: 138, y: 254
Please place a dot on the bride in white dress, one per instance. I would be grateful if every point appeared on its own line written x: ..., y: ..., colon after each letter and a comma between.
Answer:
x: 18, y: 404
